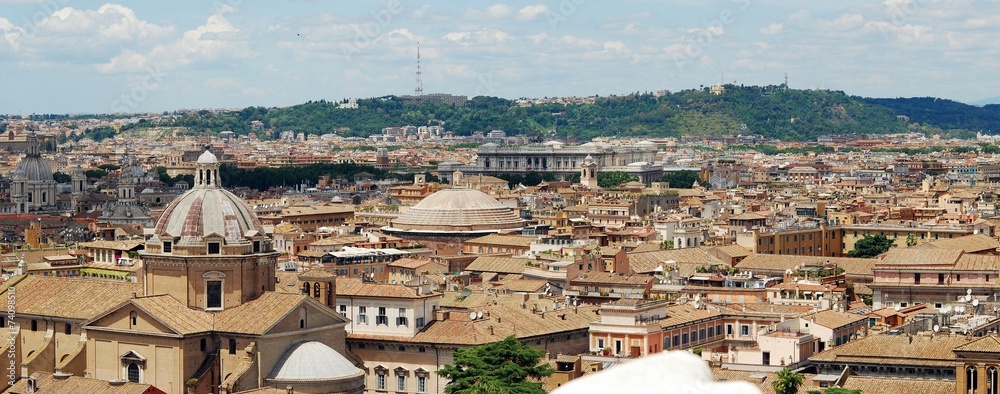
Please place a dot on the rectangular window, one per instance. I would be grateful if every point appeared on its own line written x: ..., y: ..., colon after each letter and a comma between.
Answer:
x: 381, y: 318
x: 420, y: 322
x: 600, y: 343
x: 701, y: 334
x: 362, y: 315
x: 421, y: 384
x: 343, y: 309
x: 213, y: 247
x: 168, y: 247
x: 232, y: 346
x: 256, y: 246
x: 402, y: 321
x: 684, y: 338
x: 401, y: 383
x: 213, y: 294
x: 677, y: 340
x: 711, y: 332
x: 380, y: 382
x: 745, y: 330
x: 718, y: 329
x: 69, y: 329
x: 729, y: 329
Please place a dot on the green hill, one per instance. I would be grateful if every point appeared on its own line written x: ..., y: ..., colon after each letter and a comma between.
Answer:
x: 770, y: 111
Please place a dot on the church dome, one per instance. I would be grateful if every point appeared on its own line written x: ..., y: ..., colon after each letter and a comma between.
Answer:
x: 33, y: 168
x: 458, y: 210
x: 313, y: 361
x: 207, y: 211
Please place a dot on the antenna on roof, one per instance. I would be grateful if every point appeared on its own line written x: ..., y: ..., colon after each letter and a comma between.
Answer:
x: 419, y: 90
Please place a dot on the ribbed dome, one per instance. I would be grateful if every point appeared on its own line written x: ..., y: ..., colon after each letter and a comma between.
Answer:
x: 207, y: 158
x: 33, y: 168
x: 208, y: 210
x: 312, y: 360
x: 458, y: 210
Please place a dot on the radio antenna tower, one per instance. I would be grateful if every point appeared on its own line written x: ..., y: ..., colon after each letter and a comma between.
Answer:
x: 419, y: 91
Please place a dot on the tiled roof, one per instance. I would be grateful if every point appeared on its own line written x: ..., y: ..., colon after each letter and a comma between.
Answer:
x: 353, y: 287
x: 978, y: 262
x: 987, y: 344
x: 834, y: 319
x: 909, y: 386
x: 78, y: 384
x: 175, y: 315
x: 612, y: 278
x: 683, y: 313
x: 969, y: 243
x: 507, y: 318
x: 409, y: 263
x: 504, y: 240
x: 68, y: 298
x: 505, y: 265
x: 915, y: 256
x: 116, y: 245
x: 687, y: 260
x: 782, y: 262
x: 896, y: 350
x: 259, y: 315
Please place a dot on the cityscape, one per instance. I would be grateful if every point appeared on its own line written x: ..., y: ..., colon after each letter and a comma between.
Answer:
x: 563, y: 197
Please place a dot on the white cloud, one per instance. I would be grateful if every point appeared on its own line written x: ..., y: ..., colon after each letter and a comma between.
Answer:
x: 479, y: 37
x: 215, y: 41
x: 531, y: 12
x: 492, y: 12
x: 772, y: 29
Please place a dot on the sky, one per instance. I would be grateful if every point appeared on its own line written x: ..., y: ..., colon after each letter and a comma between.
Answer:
x: 78, y: 56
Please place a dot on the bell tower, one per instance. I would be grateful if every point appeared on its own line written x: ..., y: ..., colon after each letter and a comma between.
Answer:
x: 588, y: 173
x: 321, y: 285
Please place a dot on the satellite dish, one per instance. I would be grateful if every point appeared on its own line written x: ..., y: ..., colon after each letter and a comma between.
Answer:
x: 479, y: 315
x: 697, y: 298
x: 937, y: 328
x: 968, y: 298
x: 897, y: 308
x: 975, y: 303
x: 969, y: 291
x: 472, y: 315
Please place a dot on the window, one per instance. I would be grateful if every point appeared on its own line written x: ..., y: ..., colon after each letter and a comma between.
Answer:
x: 133, y: 319
x: 729, y: 329
x: 3, y: 321
x: 718, y: 329
x: 420, y: 322
x: 971, y: 379
x: 684, y: 338
x: 232, y: 346
x: 343, y: 309
x: 402, y: 321
x: 938, y: 305
x: 381, y: 318
x: 362, y: 315
x: 213, y: 248
x: 213, y: 294
x: 991, y: 380
x: 744, y: 330
x: 600, y: 343
x: 701, y: 334
x: 69, y: 329
x: 421, y: 384
x: 133, y: 372
x: 400, y: 383
x: 677, y: 340
x: 34, y: 325
x: 168, y: 247
x: 256, y: 246
x: 711, y: 332
x: 380, y: 382
x: 203, y: 344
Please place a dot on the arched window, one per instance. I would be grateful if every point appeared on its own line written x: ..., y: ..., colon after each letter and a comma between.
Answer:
x: 133, y: 372
x: 133, y: 319
x: 971, y: 377
x: 305, y: 288
x: 316, y: 290
x: 991, y: 380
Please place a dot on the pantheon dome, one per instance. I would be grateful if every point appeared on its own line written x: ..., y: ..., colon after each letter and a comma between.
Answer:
x: 456, y: 210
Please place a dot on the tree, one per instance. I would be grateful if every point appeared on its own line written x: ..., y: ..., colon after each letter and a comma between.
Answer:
x: 871, y: 246
x: 504, y: 366
x: 681, y: 179
x: 614, y: 179
x: 667, y: 244
x: 788, y: 382
x: 911, y: 239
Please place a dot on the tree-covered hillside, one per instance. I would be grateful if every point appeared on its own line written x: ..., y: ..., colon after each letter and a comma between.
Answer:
x: 770, y: 111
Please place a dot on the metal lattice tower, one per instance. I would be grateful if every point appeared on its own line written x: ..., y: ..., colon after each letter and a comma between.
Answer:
x: 419, y: 91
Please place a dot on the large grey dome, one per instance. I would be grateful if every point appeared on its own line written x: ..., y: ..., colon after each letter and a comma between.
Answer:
x: 458, y: 210
x: 33, y: 168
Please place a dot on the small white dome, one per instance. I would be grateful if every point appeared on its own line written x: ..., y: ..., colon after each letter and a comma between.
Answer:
x: 207, y: 158
x: 312, y: 360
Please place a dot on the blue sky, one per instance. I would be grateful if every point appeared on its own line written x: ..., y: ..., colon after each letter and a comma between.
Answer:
x: 69, y: 56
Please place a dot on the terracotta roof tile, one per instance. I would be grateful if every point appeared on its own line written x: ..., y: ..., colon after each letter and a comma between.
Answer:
x: 69, y: 298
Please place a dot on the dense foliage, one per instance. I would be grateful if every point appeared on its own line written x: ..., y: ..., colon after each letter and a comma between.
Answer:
x: 871, y: 246
x: 943, y: 113
x: 506, y: 366
x: 787, y: 382
x: 532, y: 178
x: 681, y: 179
x: 613, y: 179
x: 769, y: 111
x: 263, y: 178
